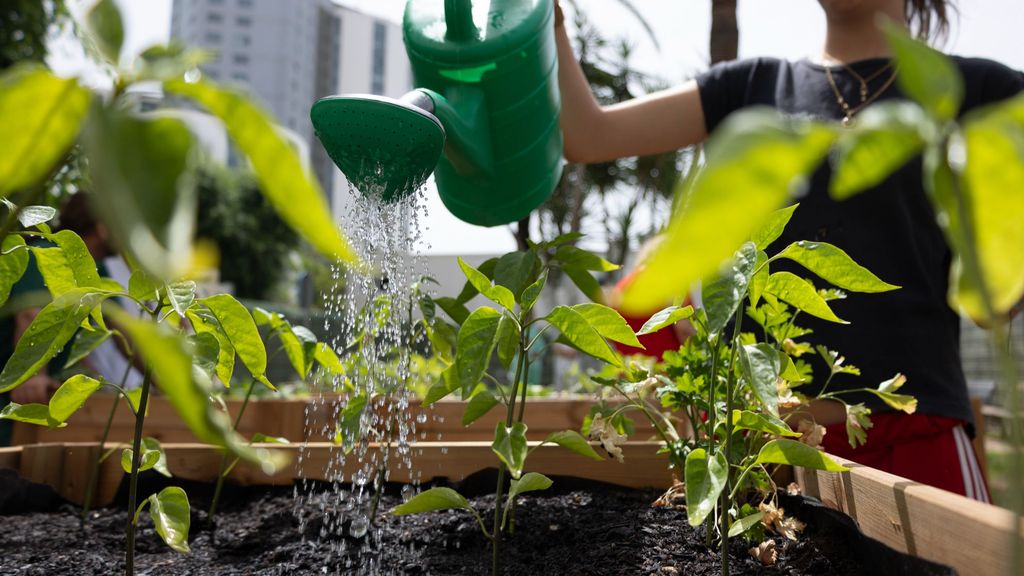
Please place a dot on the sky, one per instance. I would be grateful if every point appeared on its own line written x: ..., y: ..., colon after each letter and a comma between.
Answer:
x: 782, y: 28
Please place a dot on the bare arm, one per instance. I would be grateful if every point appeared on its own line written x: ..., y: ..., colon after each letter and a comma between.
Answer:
x: 652, y: 124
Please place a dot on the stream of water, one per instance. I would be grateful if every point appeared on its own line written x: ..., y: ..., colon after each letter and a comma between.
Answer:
x: 366, y: 413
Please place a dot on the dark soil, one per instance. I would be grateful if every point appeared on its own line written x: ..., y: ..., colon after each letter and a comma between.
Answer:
x: 576, y: 528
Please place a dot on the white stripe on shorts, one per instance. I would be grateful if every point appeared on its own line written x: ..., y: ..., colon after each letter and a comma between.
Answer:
x: 969, y: 465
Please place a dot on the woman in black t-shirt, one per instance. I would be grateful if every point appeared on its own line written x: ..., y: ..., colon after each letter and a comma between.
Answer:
x: 890, y: 229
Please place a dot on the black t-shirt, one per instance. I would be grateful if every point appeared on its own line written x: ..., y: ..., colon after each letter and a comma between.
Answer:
x: 890, y: 229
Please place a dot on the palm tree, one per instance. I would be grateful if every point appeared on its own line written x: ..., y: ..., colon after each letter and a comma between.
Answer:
x: 725, y: 33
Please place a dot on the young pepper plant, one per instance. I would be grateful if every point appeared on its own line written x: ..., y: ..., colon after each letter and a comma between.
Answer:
x: 743, y: 386
x: 512, y: 331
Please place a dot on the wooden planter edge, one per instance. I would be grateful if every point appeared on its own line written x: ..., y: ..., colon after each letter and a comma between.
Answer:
x: 970, y: 536
x: 66, y: 466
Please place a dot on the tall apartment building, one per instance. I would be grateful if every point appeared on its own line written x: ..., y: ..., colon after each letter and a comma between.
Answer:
x: 288, y: 53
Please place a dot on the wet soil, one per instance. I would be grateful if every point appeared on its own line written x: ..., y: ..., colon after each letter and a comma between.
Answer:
x: 576, y: 528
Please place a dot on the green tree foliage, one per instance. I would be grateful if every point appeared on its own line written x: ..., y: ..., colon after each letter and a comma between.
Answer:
x: 255, y: 245
x: 25, y: 26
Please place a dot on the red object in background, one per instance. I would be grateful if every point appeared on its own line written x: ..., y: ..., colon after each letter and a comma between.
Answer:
x: 931, y: 450
x: 655, y: 344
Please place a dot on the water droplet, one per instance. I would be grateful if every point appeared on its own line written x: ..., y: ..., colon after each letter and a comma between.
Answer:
x: 408, y: 492
x: 359, y: 526
x: 421, y: 418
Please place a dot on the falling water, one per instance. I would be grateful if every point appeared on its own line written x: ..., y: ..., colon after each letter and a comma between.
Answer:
x: 369, y: 315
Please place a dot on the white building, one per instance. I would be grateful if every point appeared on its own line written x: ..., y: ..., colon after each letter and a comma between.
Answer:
x: 289, y: 53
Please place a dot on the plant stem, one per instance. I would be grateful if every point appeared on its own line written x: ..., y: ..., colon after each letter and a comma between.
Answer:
x: 710, y: 430
x: 729, y: 392
x: 140, y: 417
x: 222, y: 473
x: 500, y: 488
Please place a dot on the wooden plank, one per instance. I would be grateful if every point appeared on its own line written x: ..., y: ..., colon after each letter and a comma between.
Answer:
x: 972, y: 537
x: 43, y: 464
x: 10, y: 457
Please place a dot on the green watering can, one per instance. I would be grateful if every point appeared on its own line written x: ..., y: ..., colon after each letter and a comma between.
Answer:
x: 488, y: 99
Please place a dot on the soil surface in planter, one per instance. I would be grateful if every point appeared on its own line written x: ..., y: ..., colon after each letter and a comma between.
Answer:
x: 576, y: 528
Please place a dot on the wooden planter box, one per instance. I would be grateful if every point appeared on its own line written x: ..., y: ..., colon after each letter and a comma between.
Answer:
x: 287, y: 418
x: 66, y: 466
x: 974, y: 538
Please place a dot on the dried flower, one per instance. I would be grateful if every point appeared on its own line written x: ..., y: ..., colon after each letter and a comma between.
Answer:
x: 673, y: 497
x: 775, y: 520
x: 794, y: 489
x: 811, y: 433
x: 604, y: 431
x: 765, y: 553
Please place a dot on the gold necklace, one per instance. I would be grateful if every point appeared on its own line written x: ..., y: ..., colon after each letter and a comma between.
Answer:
x: 867, y: 99
x: 861, y: 79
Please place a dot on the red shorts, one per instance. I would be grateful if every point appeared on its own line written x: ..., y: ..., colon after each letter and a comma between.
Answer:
x: 928, y: 449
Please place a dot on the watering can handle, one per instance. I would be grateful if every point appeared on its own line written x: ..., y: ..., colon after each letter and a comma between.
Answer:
x: 458, y: 16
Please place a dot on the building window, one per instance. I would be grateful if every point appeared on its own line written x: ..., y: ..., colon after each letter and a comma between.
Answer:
x: 241, y: 59
x: 214, y: 17
x: 240, y: 76
x: 213, y: 37
x: 216, y: 2
x: 245, y: 3
x: 380, y: 37
x: 244, y: 21
x: 244, y: 40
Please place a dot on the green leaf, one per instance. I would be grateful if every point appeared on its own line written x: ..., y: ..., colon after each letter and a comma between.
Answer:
x: 858, y: 422
x: 181, y: 295
x: 761, y: 365
x: 151, y: 446
x: 723, y: 296
x: 578, y: 332
x: 515, y: 271
x: 532, y: 292
x: 48, y: 333
x: 481, y: 403
x: 746, y: 523
x: 40, y: 117
x: 13, y: 263
x: 754, y: 160
x: 171, y: 516
x: 240, y: 329
x: 37, y: 414
x: 530, y: 482
x: 142, y: 286
x: 476, y: 341
x: 572, y: 257
x: 134, y: 397
x: 572, y: 440
x: 85, y: 342
x: 455, y: 310
x: 992, y: 178
x: 106, y: 29
x: 148, y: 460
x: 767, y: 423
x: 205, y: 352
x: 887, y: 392
x: 79, y: 259
x: 507, y: 341
x: 884, y: 138
x: 291, y: 189
x: 771, y: 230
x: 165, y: 354
x: 144, y: 187
x: 328, y: 359
x: 168, y: 62
x: 348, y: 431
x: 586, y: 282
x: 203, y: 322
x: 35, y: 215
x: 755, y: 289
x: 833, y: 265
x: 259, y: 438
x: 510, y: 446
x: 800, y: 294
x: 53, y: 267
x: 705, y: 479
x: 496, y: 293
x: 445, y: 385
x: 431, y: 500
x: 796, y: 454
x: 608, y: 323
x: 925, y: 74
x: 664, y: 318
x: 71, y: 395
